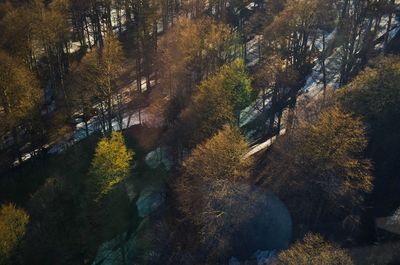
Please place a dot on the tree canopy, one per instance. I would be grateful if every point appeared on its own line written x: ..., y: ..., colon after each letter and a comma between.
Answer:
x: 375, y: 96
x: 313, y: 250
x: 212, y: 188
x: 323, y: 163
x: 111, y: 164
x: 218, y: 101
x: 20, y: 94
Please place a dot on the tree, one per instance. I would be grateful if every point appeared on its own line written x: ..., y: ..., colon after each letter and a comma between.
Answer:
x: 359, y: 25
x: 81, y: 93
x: 218, y: 101
x: 292, y: 33
x: 111, y: 164
x: 100, y: 71
x: 16, y: 27
x: 57, y: 232
x: 189, y: 52
x: 374, y: 95
x: 292, y: 36
x: 220, y: 157
x: 51, y: 31
x: 78, y: 11
x: 20, y: 97
x: 237, y: 84
x: 321, y: 165
x: 145, y: 22
x: 212, y: 192
x: 19, y: 92
x: 194, y: 8
x: 38, y: 31
x: 313, y: 250
x: 272, y: 80
x: 13, y: 222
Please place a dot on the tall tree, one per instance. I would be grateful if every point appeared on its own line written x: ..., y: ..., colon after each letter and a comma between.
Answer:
x: 359, y: 26
x: 145, y: 23
x: 78, y: 13
x: 17, y: 29
x: 51, y: 30
x: 218, y: 101
x: 111, y: 164
x: 292, y: 36
x: 20, y: 97
x: 81, y: 93
x: 375, y: 95
x: 102, y: 67
x: 212, y: 192
x: 321, y: 165
x: 272, y: 80
x: 191, y: 51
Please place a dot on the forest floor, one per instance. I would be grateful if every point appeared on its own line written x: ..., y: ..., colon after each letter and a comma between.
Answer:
x: 71, y: 170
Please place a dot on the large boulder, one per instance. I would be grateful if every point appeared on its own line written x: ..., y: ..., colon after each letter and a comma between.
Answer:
x: 269, y: 229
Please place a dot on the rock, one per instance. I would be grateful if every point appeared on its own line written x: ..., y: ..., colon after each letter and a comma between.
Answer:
x: 117, y: 251
x: 130, y: 190
x: 158, y: 157
x: 234, y: 261
x: 269, y: 229
x: 265, y: 257
x: 149, y: 201
x: 153, y: 159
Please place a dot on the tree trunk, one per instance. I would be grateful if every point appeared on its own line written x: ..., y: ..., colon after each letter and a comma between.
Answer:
x: 86, y: 128
x: 138, y: 73
x: 16, y: 145
x: 109, y: 114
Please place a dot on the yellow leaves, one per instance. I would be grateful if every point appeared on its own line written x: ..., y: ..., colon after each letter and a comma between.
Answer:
x: 180, y: 45
x: 221, y: 157
x: 323, y: 161
x: 19, y: 92
x: 111, y: 55
x: 192, y: 45
x: 375, y: 92
x: 13, y: 222
x: 333, y: 146
x: 111, y: 163
x: 217, y: 102
x: 50, y: 24
x: 301, y: 14
x: 212, y: 188
x: 313, y: 250
x: 339, y: 131
x: 102, y: 66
